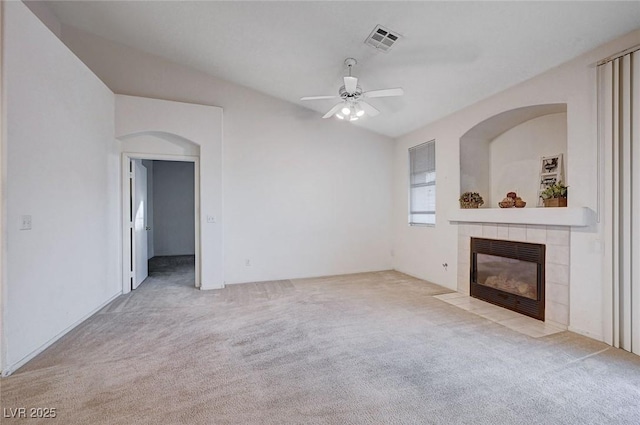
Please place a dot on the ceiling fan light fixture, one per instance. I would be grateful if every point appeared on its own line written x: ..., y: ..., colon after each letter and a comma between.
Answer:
x: 352, y: 103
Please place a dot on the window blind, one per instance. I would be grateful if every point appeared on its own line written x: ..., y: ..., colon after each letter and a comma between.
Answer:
x: 422, y: 183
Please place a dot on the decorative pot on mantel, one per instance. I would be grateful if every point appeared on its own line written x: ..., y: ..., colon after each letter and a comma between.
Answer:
x: 555, y: 202
x: 555, y: 195
x: 470, y: 200
x: 467, y: 205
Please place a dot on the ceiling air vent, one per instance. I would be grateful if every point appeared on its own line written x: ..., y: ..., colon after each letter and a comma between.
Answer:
x: 382, y: 38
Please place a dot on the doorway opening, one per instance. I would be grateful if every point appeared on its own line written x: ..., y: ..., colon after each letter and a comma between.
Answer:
x: 161, y: 216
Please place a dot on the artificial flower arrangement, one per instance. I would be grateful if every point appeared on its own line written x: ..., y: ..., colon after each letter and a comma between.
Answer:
x: 470, y: 200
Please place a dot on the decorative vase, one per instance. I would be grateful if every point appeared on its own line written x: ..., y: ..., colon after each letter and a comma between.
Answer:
x: 555, y: 202
x: 467, y: 205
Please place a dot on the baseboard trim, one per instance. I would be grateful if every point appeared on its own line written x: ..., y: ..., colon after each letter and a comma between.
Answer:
x: 17, y: 365
x: 582, y: 332
x: 209, y: 288
x: 454, y: 288
x: 306, y: 277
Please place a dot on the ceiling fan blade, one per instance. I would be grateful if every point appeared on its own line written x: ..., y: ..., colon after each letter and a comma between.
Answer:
x: 368, y: 109
x: 384, y: 93
x: 317, y: 97
x: 333, y: 110
x: 350, y: 84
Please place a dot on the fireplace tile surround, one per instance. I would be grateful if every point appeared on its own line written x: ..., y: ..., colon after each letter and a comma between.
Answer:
x: 555, y: 238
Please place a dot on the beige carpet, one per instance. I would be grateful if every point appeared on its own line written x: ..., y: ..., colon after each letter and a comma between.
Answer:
x: 371, y: 348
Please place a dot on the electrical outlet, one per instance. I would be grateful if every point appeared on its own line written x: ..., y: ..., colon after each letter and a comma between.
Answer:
x: 211, y: 219
x: 26, y: 222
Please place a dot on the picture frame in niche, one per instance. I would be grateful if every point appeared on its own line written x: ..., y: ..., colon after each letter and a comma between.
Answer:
x: 550, y: 164
x: 551, y: 172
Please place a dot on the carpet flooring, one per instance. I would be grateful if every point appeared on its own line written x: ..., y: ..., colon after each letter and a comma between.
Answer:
x: 370, y: 348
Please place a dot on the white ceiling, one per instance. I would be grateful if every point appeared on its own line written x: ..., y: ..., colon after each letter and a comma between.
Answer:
x: 452, y: 54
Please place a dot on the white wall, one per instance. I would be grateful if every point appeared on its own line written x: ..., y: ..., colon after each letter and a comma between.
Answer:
x: 62, y: 170
x: 421, y: 251
x: 515, y: 157
x: 45, y: 14
x: 303, y: 196
x: 475, y: 168
x: 173, y: 209
x: 3, y: 168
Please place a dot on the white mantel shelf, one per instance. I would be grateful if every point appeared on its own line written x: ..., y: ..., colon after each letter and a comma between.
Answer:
x: 578, y: 217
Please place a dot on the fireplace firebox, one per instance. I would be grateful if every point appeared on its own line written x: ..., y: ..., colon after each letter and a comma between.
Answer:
x: 509, y: 274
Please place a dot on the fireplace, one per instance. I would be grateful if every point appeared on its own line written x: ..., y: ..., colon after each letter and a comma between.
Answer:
x: 509, y: 274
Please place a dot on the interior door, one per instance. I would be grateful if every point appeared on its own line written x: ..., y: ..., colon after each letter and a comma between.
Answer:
x: 140, y: 269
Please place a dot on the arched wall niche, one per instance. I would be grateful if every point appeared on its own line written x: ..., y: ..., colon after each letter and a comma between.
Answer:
x: 523, y: 135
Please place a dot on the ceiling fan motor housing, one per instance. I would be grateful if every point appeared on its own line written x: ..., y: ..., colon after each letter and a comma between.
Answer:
x: 344, y: 94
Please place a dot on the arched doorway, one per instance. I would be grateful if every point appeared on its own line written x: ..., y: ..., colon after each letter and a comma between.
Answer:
x: 165, y: 130
x: 149, y: 148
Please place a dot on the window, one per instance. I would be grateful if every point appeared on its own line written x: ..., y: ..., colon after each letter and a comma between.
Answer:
x: 422, y: 184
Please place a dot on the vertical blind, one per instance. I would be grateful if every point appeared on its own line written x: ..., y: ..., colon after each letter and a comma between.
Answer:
x: 619, y: 120
x: 422, y: 183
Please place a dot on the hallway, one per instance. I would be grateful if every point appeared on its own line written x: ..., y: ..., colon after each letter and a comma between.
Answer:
x: 172, y: 270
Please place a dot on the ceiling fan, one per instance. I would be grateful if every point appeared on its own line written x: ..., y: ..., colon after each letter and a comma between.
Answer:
x: 352, y: 106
